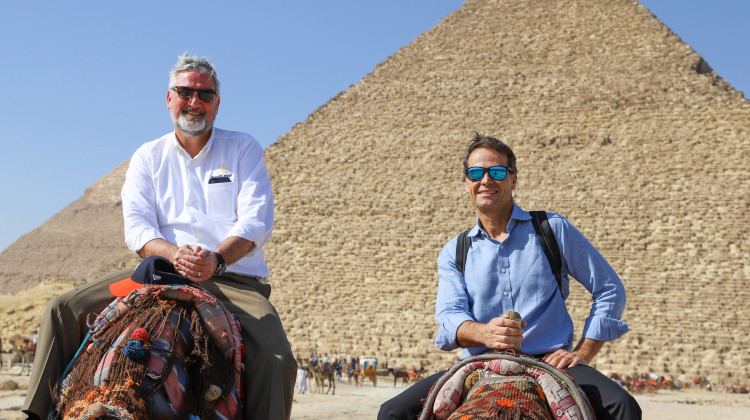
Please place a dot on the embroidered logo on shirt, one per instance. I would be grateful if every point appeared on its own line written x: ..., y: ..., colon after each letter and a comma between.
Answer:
x: 220, y: 174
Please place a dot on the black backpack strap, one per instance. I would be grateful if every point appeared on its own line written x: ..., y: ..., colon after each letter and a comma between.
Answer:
x: 546, y: 240
x: 549, y: 244
x: 462, y: 249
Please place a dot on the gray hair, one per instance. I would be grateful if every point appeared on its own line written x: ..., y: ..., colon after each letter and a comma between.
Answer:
x: 186, y: 62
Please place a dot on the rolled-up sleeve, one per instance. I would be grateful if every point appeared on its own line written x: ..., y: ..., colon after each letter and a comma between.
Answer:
x: 255, y: 199
x: 138, y: 205
x: 604, y: 329
x: 452, y: 304
x: 590, y: 268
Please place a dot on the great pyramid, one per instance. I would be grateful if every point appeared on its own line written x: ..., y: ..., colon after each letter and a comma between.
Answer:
x: 618, y: 125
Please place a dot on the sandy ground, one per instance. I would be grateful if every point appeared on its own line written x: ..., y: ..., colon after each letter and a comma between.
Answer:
x: 350, y: 402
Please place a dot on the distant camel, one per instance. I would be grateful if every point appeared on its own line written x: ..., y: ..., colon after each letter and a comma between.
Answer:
x: 322, y: 372
x: 369, y: 373
x: 24, y: 350
x: 27, y: 359
x: 354, y: 373
x: 399, y: 373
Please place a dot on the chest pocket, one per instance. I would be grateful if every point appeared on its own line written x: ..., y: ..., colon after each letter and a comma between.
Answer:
x: 222, y: 200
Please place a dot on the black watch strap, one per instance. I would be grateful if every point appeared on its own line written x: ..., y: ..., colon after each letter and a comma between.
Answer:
x: 222, y: 264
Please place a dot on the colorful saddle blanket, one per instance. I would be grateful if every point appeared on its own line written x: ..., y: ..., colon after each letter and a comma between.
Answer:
x: 506, y: 386
x: 162, y: 352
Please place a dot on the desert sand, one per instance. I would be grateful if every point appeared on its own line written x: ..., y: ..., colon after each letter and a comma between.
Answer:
x: 350, y: 402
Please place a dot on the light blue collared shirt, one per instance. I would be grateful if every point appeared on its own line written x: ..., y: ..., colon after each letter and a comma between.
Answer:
x: 515, y: 275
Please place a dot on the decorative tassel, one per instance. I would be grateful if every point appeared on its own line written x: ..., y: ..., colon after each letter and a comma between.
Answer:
x: 134, y: 350
x: 140, y: 334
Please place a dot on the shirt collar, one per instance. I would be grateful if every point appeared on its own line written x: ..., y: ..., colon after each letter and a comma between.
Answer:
x: 176, y: 144
x: 517, y: 214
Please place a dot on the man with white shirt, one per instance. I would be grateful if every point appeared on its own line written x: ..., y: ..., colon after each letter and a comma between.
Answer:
x: 201, y: 198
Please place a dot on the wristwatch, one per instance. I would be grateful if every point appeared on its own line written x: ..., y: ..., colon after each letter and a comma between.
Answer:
x: 222, y: 267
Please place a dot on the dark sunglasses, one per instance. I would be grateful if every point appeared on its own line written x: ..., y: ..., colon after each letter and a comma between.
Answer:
x: 186, y: 93
x: 498, y: 173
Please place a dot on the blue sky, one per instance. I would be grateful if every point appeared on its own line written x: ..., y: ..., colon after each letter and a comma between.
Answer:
x: 87, y: 79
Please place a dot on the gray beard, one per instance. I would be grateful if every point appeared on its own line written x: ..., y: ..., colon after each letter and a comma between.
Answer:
x: 192, y: 126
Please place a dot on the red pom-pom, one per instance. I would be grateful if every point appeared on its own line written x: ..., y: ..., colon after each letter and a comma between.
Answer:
x: 140, y: 334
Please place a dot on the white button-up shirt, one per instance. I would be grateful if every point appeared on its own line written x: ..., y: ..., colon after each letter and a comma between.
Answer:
x: 223, y: 191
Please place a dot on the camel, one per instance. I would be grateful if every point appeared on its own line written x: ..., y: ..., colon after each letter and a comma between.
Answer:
x: 399, y: 373
x: 371, y: 373
x: 321, y: 373
x: 354, y: 373
x: 27, y: 359
x: 23, y: 349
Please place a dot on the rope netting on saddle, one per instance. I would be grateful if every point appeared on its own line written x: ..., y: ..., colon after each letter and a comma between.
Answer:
x: 506, y: 386
x: 162, y: 352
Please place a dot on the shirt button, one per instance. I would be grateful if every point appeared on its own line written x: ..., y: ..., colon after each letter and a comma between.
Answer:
x: 502, y: 246
x: 503, y: 270
x: 505, y: 293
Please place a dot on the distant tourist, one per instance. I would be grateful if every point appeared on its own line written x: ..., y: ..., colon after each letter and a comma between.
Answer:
x: 302, y: 380
x: 200, y: 197
x: 506, y: 269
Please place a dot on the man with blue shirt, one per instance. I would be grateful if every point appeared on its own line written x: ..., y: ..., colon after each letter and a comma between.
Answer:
x: 506, y: 269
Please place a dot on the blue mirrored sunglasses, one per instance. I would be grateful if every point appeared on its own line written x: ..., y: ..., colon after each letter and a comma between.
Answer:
x: 498, y: 173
